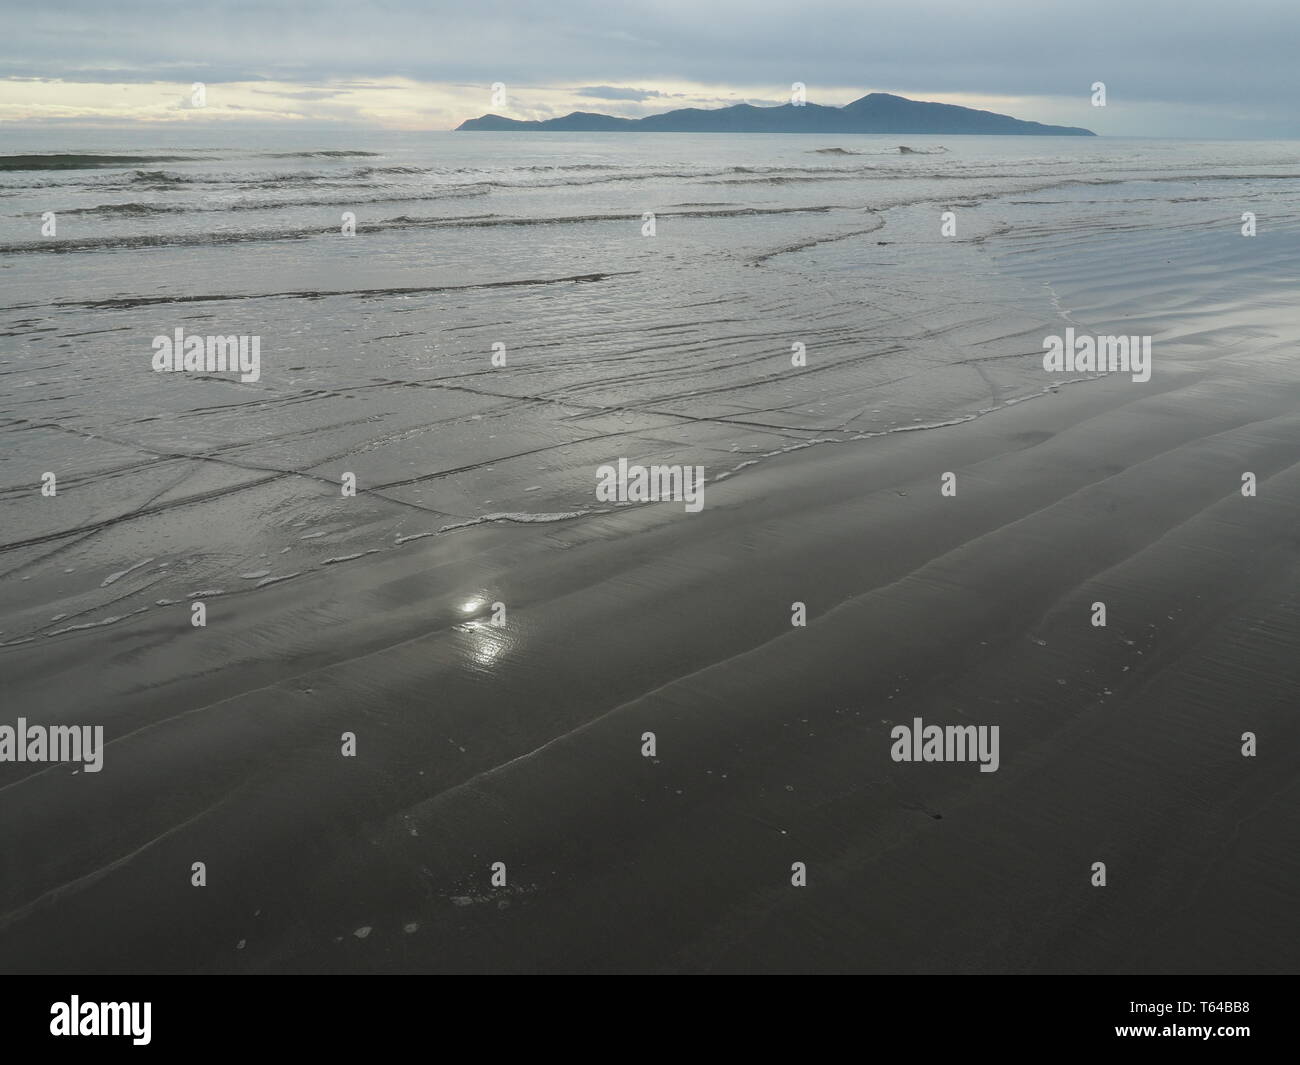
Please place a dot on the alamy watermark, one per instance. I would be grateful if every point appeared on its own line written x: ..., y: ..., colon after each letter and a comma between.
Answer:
x: 102, y: 1018
x: 626, y: 483
x: 946, y: 743
x: 209, y: 354
x: 1088, y: 354
x: 53, y: 743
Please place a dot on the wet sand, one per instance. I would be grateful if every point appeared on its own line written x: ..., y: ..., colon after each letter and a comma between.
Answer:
x: 522, y: 744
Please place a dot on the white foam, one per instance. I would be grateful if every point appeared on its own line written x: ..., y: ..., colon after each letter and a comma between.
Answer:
x: 276, y: 580
x: 112, y: 577
x: 96, y: 624
x: 523, y: 518
x: 349, y: 558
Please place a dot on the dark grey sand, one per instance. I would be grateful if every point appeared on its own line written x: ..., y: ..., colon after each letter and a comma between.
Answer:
x: 522, y: 744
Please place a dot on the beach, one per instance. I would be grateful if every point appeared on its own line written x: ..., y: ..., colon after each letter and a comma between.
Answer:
x: 519, y: 739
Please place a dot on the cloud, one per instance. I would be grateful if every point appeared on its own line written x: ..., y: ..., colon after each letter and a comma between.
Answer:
x: 302, y: 94
x: 611, y: 92
x: 1168, y: 64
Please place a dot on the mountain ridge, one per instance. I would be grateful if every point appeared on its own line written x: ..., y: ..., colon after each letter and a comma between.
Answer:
x: 877, y: 112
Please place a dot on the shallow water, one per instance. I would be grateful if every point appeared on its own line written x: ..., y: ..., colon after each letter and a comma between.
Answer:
x: 376, y: 348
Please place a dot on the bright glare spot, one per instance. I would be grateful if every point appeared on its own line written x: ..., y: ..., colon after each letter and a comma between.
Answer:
x: 471, y: 606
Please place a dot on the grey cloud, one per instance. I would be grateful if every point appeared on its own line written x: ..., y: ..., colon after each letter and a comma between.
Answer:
x: 1190, y: 53
x: 302, y: 94
x: 610, y: 92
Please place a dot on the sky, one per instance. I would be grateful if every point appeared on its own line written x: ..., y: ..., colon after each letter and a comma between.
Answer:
x: 1172, y: 68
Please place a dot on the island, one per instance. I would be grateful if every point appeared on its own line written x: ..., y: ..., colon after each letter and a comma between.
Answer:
x: 877, y: 112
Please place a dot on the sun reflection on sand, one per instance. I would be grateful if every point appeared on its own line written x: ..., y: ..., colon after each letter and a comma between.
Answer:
x: 487, y: 641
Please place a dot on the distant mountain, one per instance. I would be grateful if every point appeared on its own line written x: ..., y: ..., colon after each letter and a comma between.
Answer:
x: 878, y: 112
